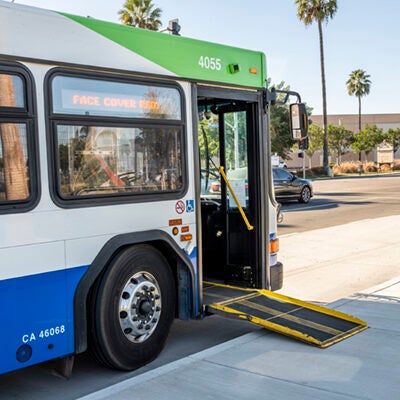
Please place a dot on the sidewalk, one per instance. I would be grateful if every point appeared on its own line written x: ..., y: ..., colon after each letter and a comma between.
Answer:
x: 262, y: 364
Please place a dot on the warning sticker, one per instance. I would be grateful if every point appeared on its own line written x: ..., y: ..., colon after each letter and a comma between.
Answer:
x: 180, y: 207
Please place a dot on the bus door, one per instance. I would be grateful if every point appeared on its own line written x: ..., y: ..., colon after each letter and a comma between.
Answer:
x: 227, y: 132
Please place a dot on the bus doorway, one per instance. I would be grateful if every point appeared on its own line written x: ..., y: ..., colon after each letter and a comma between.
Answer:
x: 227, y: 136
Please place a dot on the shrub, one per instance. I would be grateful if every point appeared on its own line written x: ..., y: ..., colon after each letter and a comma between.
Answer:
x: 396, y: 165
x: 385, y: 168
x: 349, y: 167
x: 315, y: 171
x: 370, y: 166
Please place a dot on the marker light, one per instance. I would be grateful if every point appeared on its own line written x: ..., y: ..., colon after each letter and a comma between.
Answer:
x: 186, y: 238
x: 274, y: 246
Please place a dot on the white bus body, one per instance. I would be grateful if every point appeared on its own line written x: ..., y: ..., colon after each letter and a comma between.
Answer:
x: 106, y: 239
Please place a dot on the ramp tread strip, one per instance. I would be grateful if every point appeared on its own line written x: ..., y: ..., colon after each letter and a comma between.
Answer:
x: 272, y: 326
x: 286, y: 317
x: 311, y: 306
x: 290, y: 317
x: 306, y: 313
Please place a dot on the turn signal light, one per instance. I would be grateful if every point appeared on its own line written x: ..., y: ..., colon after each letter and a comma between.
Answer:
x: 274, y: 246
x: 186, y: 238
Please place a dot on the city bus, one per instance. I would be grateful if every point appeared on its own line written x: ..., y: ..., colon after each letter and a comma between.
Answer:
x: 134, y: 172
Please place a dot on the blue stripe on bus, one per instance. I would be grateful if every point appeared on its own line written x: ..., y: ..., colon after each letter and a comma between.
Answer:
x: 37, y: 317
x: 193, y: 259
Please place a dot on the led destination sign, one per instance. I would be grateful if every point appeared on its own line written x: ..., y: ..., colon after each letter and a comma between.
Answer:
x: 72, y: 99
x: 81, y: 96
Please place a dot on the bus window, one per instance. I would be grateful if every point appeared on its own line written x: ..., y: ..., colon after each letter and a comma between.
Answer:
x: 14, y: 182
x: 11, y: 91
x: 15, y: 141
x: 115, y: 138
x: 98, y: 160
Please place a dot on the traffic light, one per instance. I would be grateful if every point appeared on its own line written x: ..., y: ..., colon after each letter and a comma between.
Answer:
x: 303, y: 143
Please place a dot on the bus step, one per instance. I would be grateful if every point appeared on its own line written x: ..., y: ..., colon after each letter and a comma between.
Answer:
x: 310, y: 323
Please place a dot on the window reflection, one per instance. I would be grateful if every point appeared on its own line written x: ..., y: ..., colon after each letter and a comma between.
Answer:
x: 95, y: 160
x: 11, y: 91
x: 14, y: 181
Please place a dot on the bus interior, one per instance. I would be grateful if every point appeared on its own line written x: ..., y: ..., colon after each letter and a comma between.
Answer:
x: 227, y: 132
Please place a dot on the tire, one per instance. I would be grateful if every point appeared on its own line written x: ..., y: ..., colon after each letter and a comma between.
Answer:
x: 305, y: 195
x: 132, y: 308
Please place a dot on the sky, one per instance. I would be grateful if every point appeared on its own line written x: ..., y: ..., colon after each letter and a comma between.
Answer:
x: 363, y: 34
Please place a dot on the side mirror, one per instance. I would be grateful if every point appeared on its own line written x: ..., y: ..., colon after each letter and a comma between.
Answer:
x: 298, y: 120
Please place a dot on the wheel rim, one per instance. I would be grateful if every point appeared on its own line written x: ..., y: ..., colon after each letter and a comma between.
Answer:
x: 140, y: 307
x: 306, y: 194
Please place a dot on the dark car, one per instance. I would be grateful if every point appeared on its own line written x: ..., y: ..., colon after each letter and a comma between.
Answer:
x: 289, y: 187
x: 210, y: 182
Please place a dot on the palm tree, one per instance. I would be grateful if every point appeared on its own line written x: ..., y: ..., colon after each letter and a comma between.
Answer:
x: 358, y: 85
x: 309, y: 11
x: 140, y: 14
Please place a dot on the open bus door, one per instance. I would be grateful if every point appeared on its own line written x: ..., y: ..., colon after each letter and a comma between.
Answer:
x: 227, y: 137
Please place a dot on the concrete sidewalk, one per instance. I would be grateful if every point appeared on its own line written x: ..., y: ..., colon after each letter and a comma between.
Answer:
x: 262, y: 364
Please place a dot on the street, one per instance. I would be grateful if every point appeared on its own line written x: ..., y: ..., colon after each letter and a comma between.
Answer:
x: 342, y: 200
x: 336, y: 202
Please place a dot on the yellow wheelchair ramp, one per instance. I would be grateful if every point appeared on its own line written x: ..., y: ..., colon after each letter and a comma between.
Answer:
x: 298, y: 319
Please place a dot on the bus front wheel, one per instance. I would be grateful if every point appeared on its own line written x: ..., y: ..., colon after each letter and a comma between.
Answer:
x: 132, y: 308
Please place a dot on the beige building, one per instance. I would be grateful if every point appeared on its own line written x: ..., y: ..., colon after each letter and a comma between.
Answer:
x: 350, y: 122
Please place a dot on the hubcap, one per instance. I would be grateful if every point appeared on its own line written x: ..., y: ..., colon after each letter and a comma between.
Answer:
x: 140, y: 307
x: 306, y: 194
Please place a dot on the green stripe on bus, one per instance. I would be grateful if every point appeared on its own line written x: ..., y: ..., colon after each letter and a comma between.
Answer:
x: 184, y: 57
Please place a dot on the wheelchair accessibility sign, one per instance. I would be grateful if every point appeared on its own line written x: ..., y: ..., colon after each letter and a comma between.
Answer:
x: 189, y: 206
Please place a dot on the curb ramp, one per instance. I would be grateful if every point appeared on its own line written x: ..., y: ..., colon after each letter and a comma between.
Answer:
x: 308, y: 322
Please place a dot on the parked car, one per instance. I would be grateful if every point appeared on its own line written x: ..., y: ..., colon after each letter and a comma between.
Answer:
x: 289, y: 187
x: 210, y: 182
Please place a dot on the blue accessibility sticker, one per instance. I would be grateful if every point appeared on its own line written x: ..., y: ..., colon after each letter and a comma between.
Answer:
x: 189, y: 206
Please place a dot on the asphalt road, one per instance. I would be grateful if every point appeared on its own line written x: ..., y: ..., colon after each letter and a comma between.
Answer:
x: 336, y: 202
x: 342, y: 200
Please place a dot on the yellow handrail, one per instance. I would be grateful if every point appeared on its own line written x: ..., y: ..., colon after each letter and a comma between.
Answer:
x: 246, y: 221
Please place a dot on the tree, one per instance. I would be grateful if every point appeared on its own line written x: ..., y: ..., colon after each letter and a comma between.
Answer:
x: 319, y: 11
x: 358, y: 85
x: 281, y: 138
x: 315, y: 141
x: 393, y: 137
x: 140, y: 14
x: 367, y: 139
x: 339, y: 139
